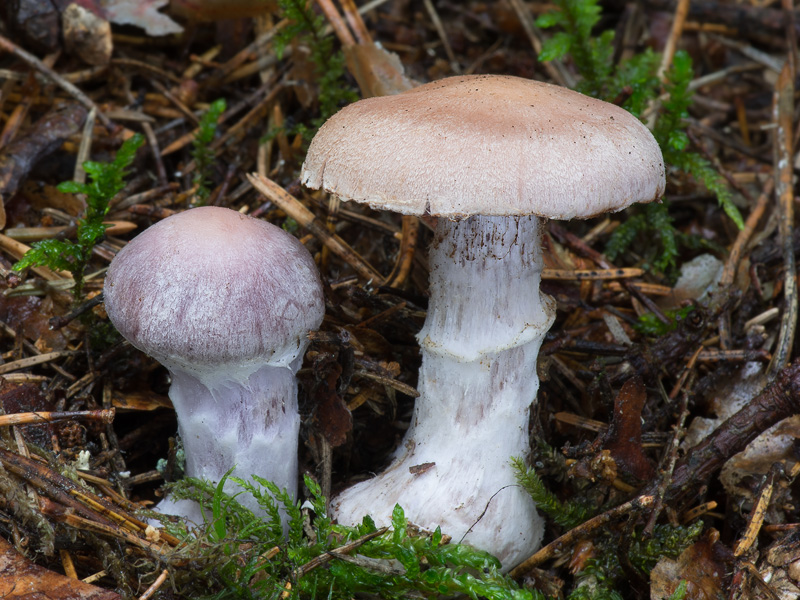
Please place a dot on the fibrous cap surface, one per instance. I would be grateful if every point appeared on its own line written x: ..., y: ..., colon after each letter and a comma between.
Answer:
x: 490, y: 145
x: 211, y: 288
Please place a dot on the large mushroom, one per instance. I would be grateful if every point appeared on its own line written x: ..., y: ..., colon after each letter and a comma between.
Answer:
x: 490, y: 156
x: 225, y: 302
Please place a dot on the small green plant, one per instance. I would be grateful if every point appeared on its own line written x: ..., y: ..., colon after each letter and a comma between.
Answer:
x: 650, y: 325
x: 566, y: 514
x: 597, y: 580
x: 592, y: 56
x: 105, y: 181
x: 654, y: 221
x: 202, y: 153
x: 306, y: 564
x: 666, y: 541
x: 634, y: 85
x: 290, y: 225
x: 670, y: 131
x: 329, y: 65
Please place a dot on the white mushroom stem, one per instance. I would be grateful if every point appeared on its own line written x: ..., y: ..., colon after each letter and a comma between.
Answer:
x: 486, y: 320
x: 250, y: 422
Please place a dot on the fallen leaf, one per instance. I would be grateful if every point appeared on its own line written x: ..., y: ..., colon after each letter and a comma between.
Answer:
x: 704, y: 566
x: 780, y: 567
x: 377, y: 71
x: 624, y: 437
x: 142, y: 13
x: 332, y: 418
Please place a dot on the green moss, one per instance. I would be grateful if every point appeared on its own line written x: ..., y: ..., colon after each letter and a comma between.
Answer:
x: 228, y: 553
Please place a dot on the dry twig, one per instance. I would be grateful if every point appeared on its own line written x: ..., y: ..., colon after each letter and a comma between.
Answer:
x: 306, y: 219
x: 102, y: 416
x: 784, y: 156
x: 678, y: 20
x: 580, y: 532
x: 781, y: 399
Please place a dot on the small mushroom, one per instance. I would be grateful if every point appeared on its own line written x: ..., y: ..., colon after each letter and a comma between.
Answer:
x: 225, y: 302
x: 490, y: 156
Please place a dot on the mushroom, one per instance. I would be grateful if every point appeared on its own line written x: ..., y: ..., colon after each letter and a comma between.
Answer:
x: 490, y: 156
x: 225, y: 302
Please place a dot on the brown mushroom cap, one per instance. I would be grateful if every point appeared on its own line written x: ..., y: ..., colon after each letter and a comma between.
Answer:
x: 488, y: 145
x: 211, y: 288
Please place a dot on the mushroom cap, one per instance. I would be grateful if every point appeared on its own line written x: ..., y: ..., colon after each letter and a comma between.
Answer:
x: 487, y: 145
x: 212, y: 289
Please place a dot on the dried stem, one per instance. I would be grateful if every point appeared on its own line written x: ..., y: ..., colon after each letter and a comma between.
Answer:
x: 735, y: 255
x: 355, y: 21
x: 28, y: 418
x: 784, y: 156
x: 554, y: 68
x: 405, y: 257
x: 678, y: 20
x: 335, y: 19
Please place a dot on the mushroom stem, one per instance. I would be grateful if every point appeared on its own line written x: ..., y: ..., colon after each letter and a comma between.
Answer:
x: 250, y: 422
x: 486, y: 320
x: 484, y: 287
